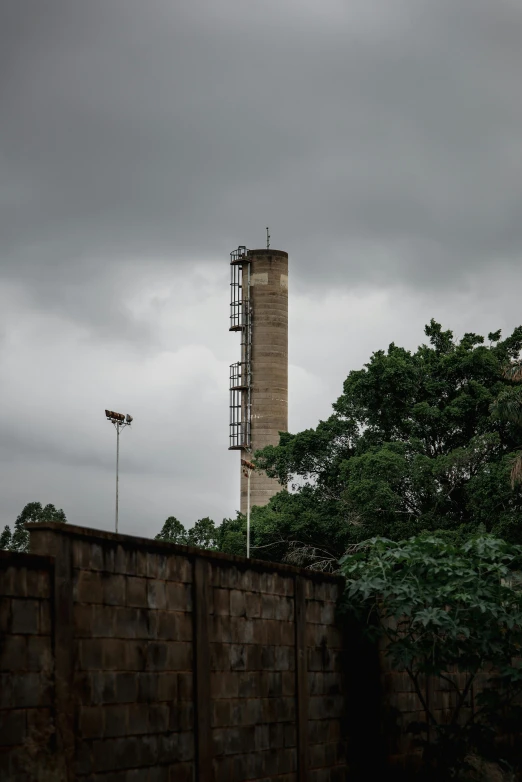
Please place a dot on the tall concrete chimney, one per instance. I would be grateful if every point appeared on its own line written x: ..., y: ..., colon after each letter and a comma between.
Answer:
x: 259, y: 382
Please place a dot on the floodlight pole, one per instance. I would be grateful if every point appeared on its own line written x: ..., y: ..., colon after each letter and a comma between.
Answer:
x: 119, y: 421
x: 117, y: 470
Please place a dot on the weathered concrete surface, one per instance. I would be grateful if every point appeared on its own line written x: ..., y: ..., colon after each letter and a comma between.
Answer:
x: 269, y: 300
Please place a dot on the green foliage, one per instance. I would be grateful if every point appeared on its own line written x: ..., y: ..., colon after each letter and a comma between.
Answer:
x: 18, y: 540
x: 203, y: 534
x: 441, y: 605
x: 173, y: 531
x: 229, y: 536
x: 5, y: 538
x: 415, y: 443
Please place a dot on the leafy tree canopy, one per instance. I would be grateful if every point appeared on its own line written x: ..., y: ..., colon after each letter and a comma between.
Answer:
x: 415, y: 442
x: 18, y: 540
x: 229, y: 536
x: 442, y: 606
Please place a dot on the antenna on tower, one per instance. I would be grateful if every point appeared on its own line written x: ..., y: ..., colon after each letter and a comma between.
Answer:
x: 267, y: 239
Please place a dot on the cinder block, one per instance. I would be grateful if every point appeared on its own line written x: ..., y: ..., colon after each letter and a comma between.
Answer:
x: 138, y: 718
x: 327, y: 614
x: 267, y: 657
x: 179, y: 656
x: 221, y: 601
x: 182, y: 772
x: 122, y: 563
x: 87, y: 586
x: 252, y: 711
x: 126, y: 687
x: 90, y: 652
x: 113, y: 589
x: 174, y: 626
x: 284, y: 609
x: 288, y: 680
x: 38, y: 584
x: 156, y: 597
x: 24, y: 690
x: 219, y: 657
x: 317, y: 731
x: 242, y: 630
x: 12, y: 727
x: 178, y: 568
x: 220, y: 710
x: 158, y: 717
x: 268, y: 604
x: 313, y: 612
x: 262, y: 737
x: 253, y: 605
x: 181, y: 716
x: 251, y: 684
x: 91, y: 722
x: 273, y: 681
x: 178, y: 596
x: 157, y: 774
x: 13, y: 653
x: 319, y: 591
x: 113, y: 652
x: 227, y: 576
x: 287, y: 761
x: 102, y: 687
x: 121, y: 622
x: 96, y: 556
x: 149, y: 687
x: 185, y: 686
x: 237, y: 603
x: 5, y: 614
x: 260, y: 632
x: 237, y: 657
x: 82, y: 619
x: 13, y: 582
x: 39, y: 653
x: 45, y: 617
x: 290, y: 734
x: 253, y: 656
x: 102, y: 621
x: 25, y: 616
x: 135, y: 655
x: 316, y: 753
x: 225, y: 684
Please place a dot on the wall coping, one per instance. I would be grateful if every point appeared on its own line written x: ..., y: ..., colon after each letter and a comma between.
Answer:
x: 160, y: 546
x: 24, y: 559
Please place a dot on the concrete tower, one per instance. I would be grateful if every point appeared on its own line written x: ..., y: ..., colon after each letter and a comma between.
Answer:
x: 259, y: 382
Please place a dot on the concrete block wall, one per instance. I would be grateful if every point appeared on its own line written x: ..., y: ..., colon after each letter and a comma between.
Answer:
x: 26, y: 660
x: 132, y: 614
x: 176, y: 664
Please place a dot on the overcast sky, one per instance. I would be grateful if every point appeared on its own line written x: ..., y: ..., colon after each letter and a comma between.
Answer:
x: 142, y: 140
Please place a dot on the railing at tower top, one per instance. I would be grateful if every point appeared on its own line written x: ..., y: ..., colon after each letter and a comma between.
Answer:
x: 238, y: 259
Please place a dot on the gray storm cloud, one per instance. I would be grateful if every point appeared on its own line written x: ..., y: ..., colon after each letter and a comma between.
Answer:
x: 140, y: 142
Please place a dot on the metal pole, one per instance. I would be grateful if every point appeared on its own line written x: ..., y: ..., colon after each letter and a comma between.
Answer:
x: 248, y: 513
x: 117, y: 468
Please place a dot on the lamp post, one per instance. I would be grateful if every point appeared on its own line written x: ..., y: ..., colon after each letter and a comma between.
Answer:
x: 120, y: 421
x: 248, y: 468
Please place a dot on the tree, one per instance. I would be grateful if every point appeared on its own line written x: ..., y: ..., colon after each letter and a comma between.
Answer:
x: 18, y: 540
x: 231, y: 536
x: 412, y: 444
x: 203, y: 534
x: 442, y: 606
x: 5, y: 538
x: 173, y: 531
